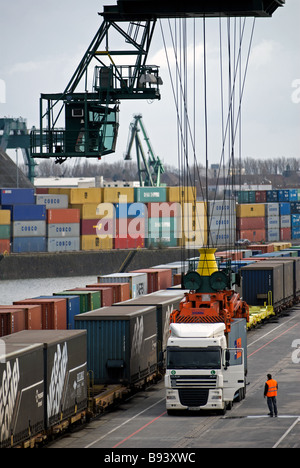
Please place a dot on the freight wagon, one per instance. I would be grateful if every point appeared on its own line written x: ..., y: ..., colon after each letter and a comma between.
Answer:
x: 43, y: 377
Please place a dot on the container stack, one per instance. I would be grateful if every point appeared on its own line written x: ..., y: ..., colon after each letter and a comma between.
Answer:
x: 63, y: 230
x: 250, y: 220
x: 130, y: 225
x: 28, y: 220
x: 222, y: 219
x: 272, y: 222
x: 5, y: 231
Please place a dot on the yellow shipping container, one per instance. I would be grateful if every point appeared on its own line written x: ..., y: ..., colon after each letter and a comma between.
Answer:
x: 4, y: 217
x: 256, y: 210
x: 181, y: 194
x: 95, y: 210
x: 118, y: 195
x: 95, y: 243
x: 78, y: 195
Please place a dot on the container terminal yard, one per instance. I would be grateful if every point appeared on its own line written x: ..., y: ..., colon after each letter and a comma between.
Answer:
x: 144, y: 320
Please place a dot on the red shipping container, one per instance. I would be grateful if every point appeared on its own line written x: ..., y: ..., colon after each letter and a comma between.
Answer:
x: 4, y: 246
x: 33, y: 315
x: 93, y: 227
x: 164, y: 210
x: 42, y: 191
x: 250, y: 223
x: 265, y: 248
x: 285, y: 234
x: 54, y: 312
x: 261, y: 196
x: 63, y: 215
x: 177, y: 279
x: 157, y: 279
x: 257, y: 235
x: 133, y: 228
x: 107, y: 296
x: 121, y: 291
x: 129, y: 243
x: 11, y: 321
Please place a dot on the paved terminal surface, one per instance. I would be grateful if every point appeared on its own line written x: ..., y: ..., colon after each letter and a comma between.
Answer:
x: 142, y: 422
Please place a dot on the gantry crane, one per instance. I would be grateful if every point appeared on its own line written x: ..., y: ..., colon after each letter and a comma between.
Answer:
x: 82, y: 122
x: 151, y: 168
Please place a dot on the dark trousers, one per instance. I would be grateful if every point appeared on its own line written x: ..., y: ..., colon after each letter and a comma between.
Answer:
x: 272, y: 404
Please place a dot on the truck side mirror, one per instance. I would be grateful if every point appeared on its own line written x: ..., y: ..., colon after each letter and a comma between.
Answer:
x: 227, y: 358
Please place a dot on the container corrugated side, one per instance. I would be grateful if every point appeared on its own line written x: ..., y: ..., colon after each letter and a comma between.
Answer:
x: 260, y: 279
x: 27, y: 212
x: 29, y: 244
x: 52, y: 201
x: 255, y: 210
x: 96, y: 243
x: 29, y: 228
x: 17, y: 196
x: 22, y: 391
x: 118, y: 195
x: 137, y: 281
x: 121, y: 343
x: 5, y: 216
x: 63, y: 230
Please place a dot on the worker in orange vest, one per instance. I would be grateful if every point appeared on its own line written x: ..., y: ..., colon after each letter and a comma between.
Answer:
x: 271, y: 389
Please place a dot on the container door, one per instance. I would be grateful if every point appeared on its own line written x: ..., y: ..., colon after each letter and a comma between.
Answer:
x: 234, y: 372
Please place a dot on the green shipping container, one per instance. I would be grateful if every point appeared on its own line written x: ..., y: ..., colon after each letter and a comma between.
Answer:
x: 5, y: 231
x: 150, y: 194
x: 89, y: 300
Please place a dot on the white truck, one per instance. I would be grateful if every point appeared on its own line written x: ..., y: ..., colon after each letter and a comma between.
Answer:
x: 206, y: 367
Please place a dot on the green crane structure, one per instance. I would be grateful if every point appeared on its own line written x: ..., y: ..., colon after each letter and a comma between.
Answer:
x: 151, y: 168
x: 82, y: 122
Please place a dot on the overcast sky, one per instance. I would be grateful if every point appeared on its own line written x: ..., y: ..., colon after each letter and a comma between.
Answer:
x: 43, y: 42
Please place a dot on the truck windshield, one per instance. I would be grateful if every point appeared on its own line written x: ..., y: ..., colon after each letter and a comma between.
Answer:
x: 194, y: 358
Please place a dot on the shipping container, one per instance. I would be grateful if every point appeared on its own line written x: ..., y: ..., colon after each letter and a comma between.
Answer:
x: 118, y: 195
x: 5, y: 231
x: 29, y: 228
x: 295, y: 220
x: 222, y: 237
x: 84, y: 305
x: 131, y: 210
x: 64, y: 373
x: 96, y: 243
x: 72, y: 307
x: 293, y: 195
x: 63, y: 230
x: 5, y: 217
x: 54, y: 312
x: 27, y: 212
x: 295, y: 232
x: 150, y: 194
x: 272, y: 222
x: 284, y: 209
x: 121, y: 291
x: 121, y: 343
x: 52, y: 201
x: 285, y: 233
x: 129, y: 243
x: 83, y: 196
x: 63, y: 244
x: 164, y: 307
x: 4, y: 246
x: 156, y: 279
x: 11, y: 321
x: 106, y: 294
x: 250, y: 210
x: 164, y: 210
x: 91, y: 210
x: 33, y: 315
x: 260, y: 196
x: 93, y: 297
x: 250, y: 223
x: 285, y: 221
x: 291, y: 275
x: 295, y: 207
x: 222, y: 207
x: 161, y: 227
x: 22, y: 391
x: 260, y: 280
x: 131, y: 228
x: 137, y: 281
x: 29, y: 244
x: 17, y: 196
x: 181, y: 194
x: 272, y: 209
x: 255, y: 235
x: 57, y: 216
x: 98, y: 227
x: 272, y: 196
x: 283, y: 195
x: 223, y: 222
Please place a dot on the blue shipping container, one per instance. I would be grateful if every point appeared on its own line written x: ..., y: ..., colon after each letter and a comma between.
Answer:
x: 283, y: 195
x: 131, y: 210
x: 293, y: 195
x: 295, y: 232
x: 17, y: 196
x: 295, y: 220
x: 284, y: 209
x: 259, y: 280
x: 27, y: 212
x: 73, y: 308
x: 29, y: 244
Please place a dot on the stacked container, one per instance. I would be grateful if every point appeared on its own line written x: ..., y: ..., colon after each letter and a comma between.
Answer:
x: 28, y: 220
x: 272, y: 222
x: 5, y: 231
x: 251, y: 222
x: 137, y: 282
x: 222, y: 222
x: 285, y: 220
x: 131, y: 225
x: 63, y: 230
x: 193, y: 226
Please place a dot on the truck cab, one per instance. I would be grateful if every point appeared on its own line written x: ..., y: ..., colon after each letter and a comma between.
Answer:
x: 205, y: 366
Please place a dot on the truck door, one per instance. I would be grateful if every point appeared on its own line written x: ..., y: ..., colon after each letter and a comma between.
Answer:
x: 234, y: 372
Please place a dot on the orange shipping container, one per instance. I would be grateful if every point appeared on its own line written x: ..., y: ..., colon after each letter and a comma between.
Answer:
x: 54, y: 312
x: 33, y: 315
x: 11, y: 321
x: 67, y: 215
x: 121, y: 291
x: 250, y: 223
x: 4, y: 246
x: 256, y: 235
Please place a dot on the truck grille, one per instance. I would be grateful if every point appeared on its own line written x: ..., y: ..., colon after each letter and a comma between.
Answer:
x: 194, y: 381
x: 193, y: 397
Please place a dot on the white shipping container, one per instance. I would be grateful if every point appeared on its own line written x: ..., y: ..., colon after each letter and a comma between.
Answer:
x: 225, y: 237
x: 29, y: 229
x: 285, y: 221
x: 52, y: 201
x: 224, y: 207
x: 63, y: 230
x: 138, y: 282
x: 273, y: 235
x: 272, y: 222
x: 223, y: 222
x: 65, y: 244
x: 272, y: 209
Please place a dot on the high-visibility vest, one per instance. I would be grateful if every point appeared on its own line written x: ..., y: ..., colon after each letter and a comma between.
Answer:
x: 272, y: 388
